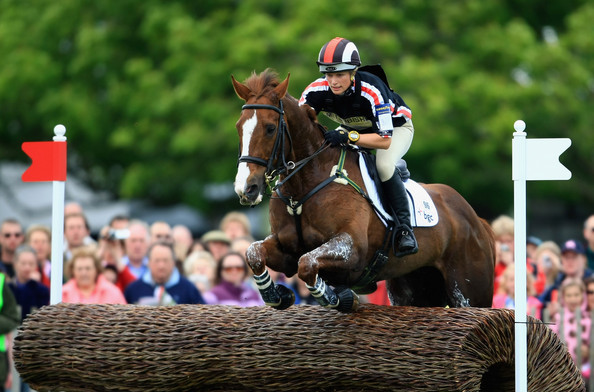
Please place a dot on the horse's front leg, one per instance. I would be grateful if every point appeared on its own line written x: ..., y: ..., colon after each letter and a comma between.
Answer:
x: 337, y: 252
x: 258, y: 255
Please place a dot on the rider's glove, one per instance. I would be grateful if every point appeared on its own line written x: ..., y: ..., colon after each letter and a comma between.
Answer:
x: 337, y: 137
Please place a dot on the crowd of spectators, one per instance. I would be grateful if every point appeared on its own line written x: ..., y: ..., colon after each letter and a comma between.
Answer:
x: 559, y: 283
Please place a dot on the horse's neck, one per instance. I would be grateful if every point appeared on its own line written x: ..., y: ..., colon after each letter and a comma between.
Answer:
x: 306, y: 137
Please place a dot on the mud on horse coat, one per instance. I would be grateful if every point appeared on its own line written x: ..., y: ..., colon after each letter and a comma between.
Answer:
x: 327, y: 233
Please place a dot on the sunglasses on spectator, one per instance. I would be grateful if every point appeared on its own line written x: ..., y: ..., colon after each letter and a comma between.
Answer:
x: 16, y: 235
x: 233, y: 267
x: 589, y: 292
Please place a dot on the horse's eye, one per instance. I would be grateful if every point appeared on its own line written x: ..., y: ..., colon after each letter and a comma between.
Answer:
x: 270, y: 129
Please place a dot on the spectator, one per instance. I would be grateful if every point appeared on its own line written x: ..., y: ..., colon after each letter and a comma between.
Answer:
x: 72, y: 207
x: 503, y: 228
x: 162, y: 283
x: 217, y: 243
x: 30, y: 294
x: 11, y: 237
x: 182, y: 241
x: 137, y: 245
x: 200, y: 268
x: 231, y: 288
x: 241, y: 244
x: 503, y: 258
x: 118, y: 222
x: 39, y: 237
x: 589, y: 284
x: 236, y: 224
x: 548, y: 264
x: 197, y: 245
x: 110, y: 272
x: 111, y: 254
x: 505, y: 298
x: 532, y: 243
x: 76, y: 230
x: 87, y: 285
x: 75, y: 208
x: 9, y: 320
x: 589, y: 237
x: 573, y: 265
x: 161, y: 232
x: 573, y: 301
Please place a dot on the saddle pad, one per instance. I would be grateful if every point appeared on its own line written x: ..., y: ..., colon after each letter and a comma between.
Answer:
x: 419, y: 201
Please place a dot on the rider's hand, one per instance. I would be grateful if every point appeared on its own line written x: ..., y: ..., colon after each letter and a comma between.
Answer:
x: 337, y: 137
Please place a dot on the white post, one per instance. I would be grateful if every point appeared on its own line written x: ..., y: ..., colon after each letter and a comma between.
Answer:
x: 519, y: 178
x: 57, y: 229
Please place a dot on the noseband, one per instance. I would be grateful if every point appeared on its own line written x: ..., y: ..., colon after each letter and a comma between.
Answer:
x: 278, y: 151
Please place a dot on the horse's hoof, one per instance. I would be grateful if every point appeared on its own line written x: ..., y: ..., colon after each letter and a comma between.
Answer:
x: 287, y: 297
x: 348, y: 301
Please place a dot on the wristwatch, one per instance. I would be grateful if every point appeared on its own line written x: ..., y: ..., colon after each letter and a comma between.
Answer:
x: 354, y: 136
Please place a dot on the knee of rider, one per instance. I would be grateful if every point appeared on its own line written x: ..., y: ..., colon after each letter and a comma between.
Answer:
x: 385, y: 170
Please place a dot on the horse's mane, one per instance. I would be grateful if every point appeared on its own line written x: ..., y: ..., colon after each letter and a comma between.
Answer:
x: 261, y: 84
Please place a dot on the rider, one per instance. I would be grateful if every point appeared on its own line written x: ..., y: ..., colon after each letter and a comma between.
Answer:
x: 371, y: 116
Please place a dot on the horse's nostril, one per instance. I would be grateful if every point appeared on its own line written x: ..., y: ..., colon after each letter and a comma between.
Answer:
x: 252, y: 191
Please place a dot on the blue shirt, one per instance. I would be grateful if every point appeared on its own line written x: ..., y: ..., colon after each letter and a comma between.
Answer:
x: 177, y: 290
x: 30, y: 295
x: 137, y: 271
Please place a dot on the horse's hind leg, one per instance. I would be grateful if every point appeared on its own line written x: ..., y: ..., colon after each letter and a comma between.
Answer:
x: 258, y: 256
x: 336, y: 252
x: 423, y: 287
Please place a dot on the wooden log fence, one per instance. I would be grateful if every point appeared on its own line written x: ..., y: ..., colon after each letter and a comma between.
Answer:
x: 71, y: 347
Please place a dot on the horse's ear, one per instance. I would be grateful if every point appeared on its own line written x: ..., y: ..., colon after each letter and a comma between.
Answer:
x: 241, y: 89
x: 281, y: 89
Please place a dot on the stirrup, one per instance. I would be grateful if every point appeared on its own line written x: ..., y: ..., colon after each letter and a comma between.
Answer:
x: 398, y: 236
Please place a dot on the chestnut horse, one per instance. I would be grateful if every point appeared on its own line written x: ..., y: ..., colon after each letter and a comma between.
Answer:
x: 328, y: 234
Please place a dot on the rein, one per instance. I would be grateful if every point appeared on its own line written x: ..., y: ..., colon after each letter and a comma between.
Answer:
x: 279, y: 145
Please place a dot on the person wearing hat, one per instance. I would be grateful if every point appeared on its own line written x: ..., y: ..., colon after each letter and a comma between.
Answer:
x: 573, y: 266
x: 372, y: 116
x: 217, y: 243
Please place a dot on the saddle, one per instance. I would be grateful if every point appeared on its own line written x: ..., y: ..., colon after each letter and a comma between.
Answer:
x: 422, y: 208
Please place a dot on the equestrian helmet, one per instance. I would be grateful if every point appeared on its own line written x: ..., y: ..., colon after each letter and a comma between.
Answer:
x: 338, y: 55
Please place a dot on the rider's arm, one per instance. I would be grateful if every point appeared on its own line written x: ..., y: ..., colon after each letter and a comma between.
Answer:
x: 373, y: 141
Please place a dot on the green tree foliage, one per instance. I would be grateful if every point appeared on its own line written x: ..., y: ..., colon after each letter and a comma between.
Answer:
x: 144, y: 87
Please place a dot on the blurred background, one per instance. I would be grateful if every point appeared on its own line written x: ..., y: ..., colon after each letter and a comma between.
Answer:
x: 144, y: 91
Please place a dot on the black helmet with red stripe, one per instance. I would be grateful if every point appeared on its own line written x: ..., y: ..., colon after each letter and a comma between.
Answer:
x: 338, y: 55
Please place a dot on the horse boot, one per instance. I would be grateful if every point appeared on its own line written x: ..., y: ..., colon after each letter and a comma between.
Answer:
x: 405, y: 242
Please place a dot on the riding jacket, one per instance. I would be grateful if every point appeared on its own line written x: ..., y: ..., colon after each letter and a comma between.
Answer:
x: 356, y: 108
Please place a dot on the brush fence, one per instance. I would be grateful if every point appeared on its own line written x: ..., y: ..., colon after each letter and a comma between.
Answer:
x: 72, y: 347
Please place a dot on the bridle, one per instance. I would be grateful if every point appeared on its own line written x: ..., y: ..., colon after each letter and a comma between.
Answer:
x: 278, y: 150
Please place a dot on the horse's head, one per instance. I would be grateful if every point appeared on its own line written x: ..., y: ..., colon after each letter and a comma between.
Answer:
x: 262, y: 132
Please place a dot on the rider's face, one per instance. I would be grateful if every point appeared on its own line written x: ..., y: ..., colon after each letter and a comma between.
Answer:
x: 339, y: 82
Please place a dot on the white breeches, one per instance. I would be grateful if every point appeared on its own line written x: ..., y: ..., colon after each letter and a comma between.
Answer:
x: 386, y: 159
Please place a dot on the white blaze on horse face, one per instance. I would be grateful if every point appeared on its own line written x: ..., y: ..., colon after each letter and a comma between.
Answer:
x: 243, y: 172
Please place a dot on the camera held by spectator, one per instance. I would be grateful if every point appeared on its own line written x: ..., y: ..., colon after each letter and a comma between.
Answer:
x: 117, y: 234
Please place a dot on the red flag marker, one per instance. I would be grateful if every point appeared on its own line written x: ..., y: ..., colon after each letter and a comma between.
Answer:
x: 49, y: 161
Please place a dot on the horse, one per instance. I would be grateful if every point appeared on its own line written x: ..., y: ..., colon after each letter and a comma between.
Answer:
x: 327, y: 233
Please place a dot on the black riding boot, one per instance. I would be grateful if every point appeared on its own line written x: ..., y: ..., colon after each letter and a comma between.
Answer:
x: 398, y: 201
